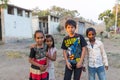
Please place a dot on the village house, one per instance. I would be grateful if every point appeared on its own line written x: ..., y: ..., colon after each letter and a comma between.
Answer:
x: 82, y: 24
x: 15, y: 23
x: 48, y: 24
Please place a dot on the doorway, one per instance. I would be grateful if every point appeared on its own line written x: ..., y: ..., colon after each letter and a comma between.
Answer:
x: 0, y: 30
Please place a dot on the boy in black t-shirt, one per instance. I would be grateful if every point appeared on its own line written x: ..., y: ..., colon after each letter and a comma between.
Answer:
x: 74, y: 47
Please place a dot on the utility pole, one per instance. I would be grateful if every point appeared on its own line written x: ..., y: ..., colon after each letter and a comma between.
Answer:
x: 116, y: 16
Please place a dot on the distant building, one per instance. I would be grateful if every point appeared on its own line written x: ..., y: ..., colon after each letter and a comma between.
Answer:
x: 15, y: 23
x: 100, y: 27
x: 82, y: 25
x: 48, y: 24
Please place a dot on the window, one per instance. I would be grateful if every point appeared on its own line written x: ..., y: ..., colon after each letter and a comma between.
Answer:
x: 43, y: 24
x: 19, y: 12
x: 52, y: 18
x: 10, y: 10
x: 27, y: 14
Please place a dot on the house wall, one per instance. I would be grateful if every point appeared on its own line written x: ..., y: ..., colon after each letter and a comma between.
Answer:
x: 35, y: 23
x: 52, y: 26
x: 17, y: 26
x: 80, y: 27
x: 100, y: 28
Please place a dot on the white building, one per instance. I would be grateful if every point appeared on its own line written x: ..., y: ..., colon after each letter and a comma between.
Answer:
x: 15, y: 23
x: 48, y: 24
x: 81, y: 27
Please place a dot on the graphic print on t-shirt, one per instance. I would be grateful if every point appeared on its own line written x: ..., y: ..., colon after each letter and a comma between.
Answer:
x: 74, y: 49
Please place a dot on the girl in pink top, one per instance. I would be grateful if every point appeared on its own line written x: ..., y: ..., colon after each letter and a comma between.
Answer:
x: 51, y: 55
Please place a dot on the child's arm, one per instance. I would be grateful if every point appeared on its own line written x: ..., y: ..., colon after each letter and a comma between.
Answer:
x: 52, y: 57
x: 46, y: 66
x: 79, y: 64
x: 85, y: 62
x: 42, y: 67
x: 66, y: 60
x: 32, y: 45
x: 104, y: 56
x: 32, y: 56
x: 31, y: 60
x: 34, y: 63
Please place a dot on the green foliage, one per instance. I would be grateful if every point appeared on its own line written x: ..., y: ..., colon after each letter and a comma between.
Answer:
x: 3, y: 3
x: 108, y: 17
x: 57, y: 11
x: 60, y: 28
x: 39, y: 12
x: 43, y: 13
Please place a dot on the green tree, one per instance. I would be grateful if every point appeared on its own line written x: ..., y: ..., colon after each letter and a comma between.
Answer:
x: 57, y: 11
x: 108, y: 18
x: 3, y: 3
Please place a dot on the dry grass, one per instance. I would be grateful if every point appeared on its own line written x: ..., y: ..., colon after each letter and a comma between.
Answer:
x: 13, y: 54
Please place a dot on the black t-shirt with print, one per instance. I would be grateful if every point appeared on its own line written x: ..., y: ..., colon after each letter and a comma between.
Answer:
x: 37, y: 53
x: 74, y: 44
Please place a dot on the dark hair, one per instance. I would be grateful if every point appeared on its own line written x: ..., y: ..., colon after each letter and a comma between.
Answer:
x: 90, y: 29
x: 70, y: 22
x: 38, y: 31
x: 50, y: 36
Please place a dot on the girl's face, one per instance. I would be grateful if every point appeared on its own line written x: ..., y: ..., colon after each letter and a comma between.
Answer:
x: 49, y: 42
x: 70, y: 29
x: 91, y: 35
x: 39, y: 38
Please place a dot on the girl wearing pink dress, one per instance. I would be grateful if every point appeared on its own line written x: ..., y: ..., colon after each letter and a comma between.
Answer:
x: 51, y: 55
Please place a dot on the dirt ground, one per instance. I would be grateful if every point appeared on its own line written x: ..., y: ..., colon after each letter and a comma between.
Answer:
x: 14, y: 63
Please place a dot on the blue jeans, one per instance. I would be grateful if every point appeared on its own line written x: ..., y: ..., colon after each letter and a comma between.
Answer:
x: 100, y: 72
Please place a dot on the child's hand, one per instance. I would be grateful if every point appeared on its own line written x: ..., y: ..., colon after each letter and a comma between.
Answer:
x: 47, y: 54
x: 32, y: 45
x: 69, y: 65
x: 42, y: 68
x: 106, y: 67
x: 84, y: 69
x: 78, y: 65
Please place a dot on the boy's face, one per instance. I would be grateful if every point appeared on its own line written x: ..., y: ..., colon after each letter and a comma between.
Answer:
x: 70, y: 29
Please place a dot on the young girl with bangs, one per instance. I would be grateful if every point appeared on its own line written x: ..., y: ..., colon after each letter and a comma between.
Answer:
x: 38, y: 58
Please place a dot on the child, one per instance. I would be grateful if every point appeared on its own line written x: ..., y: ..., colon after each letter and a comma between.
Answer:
x: 38, y: 59
x: 74, y: 47
x: 96, y: 56
x: 51, y: 49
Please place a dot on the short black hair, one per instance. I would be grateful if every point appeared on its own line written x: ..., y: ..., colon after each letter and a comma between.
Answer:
x: 70, y: 22
x: 90, y: 29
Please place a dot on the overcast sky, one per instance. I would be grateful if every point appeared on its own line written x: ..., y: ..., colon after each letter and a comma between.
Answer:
x: 89, y: 9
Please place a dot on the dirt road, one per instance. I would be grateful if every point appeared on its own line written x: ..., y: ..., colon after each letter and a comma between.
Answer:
x: 14, y: 63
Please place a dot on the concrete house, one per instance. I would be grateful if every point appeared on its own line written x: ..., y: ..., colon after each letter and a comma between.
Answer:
x: 82, y: 25
x: 48, y: 24
x: 15, y: 23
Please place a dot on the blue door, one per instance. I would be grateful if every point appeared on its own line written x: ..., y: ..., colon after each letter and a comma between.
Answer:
x: 81, y: 28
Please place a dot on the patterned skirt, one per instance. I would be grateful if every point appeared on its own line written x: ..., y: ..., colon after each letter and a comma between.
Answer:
x: 36, y: 74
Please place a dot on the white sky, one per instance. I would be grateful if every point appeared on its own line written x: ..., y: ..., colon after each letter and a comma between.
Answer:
x: 89, y: 9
